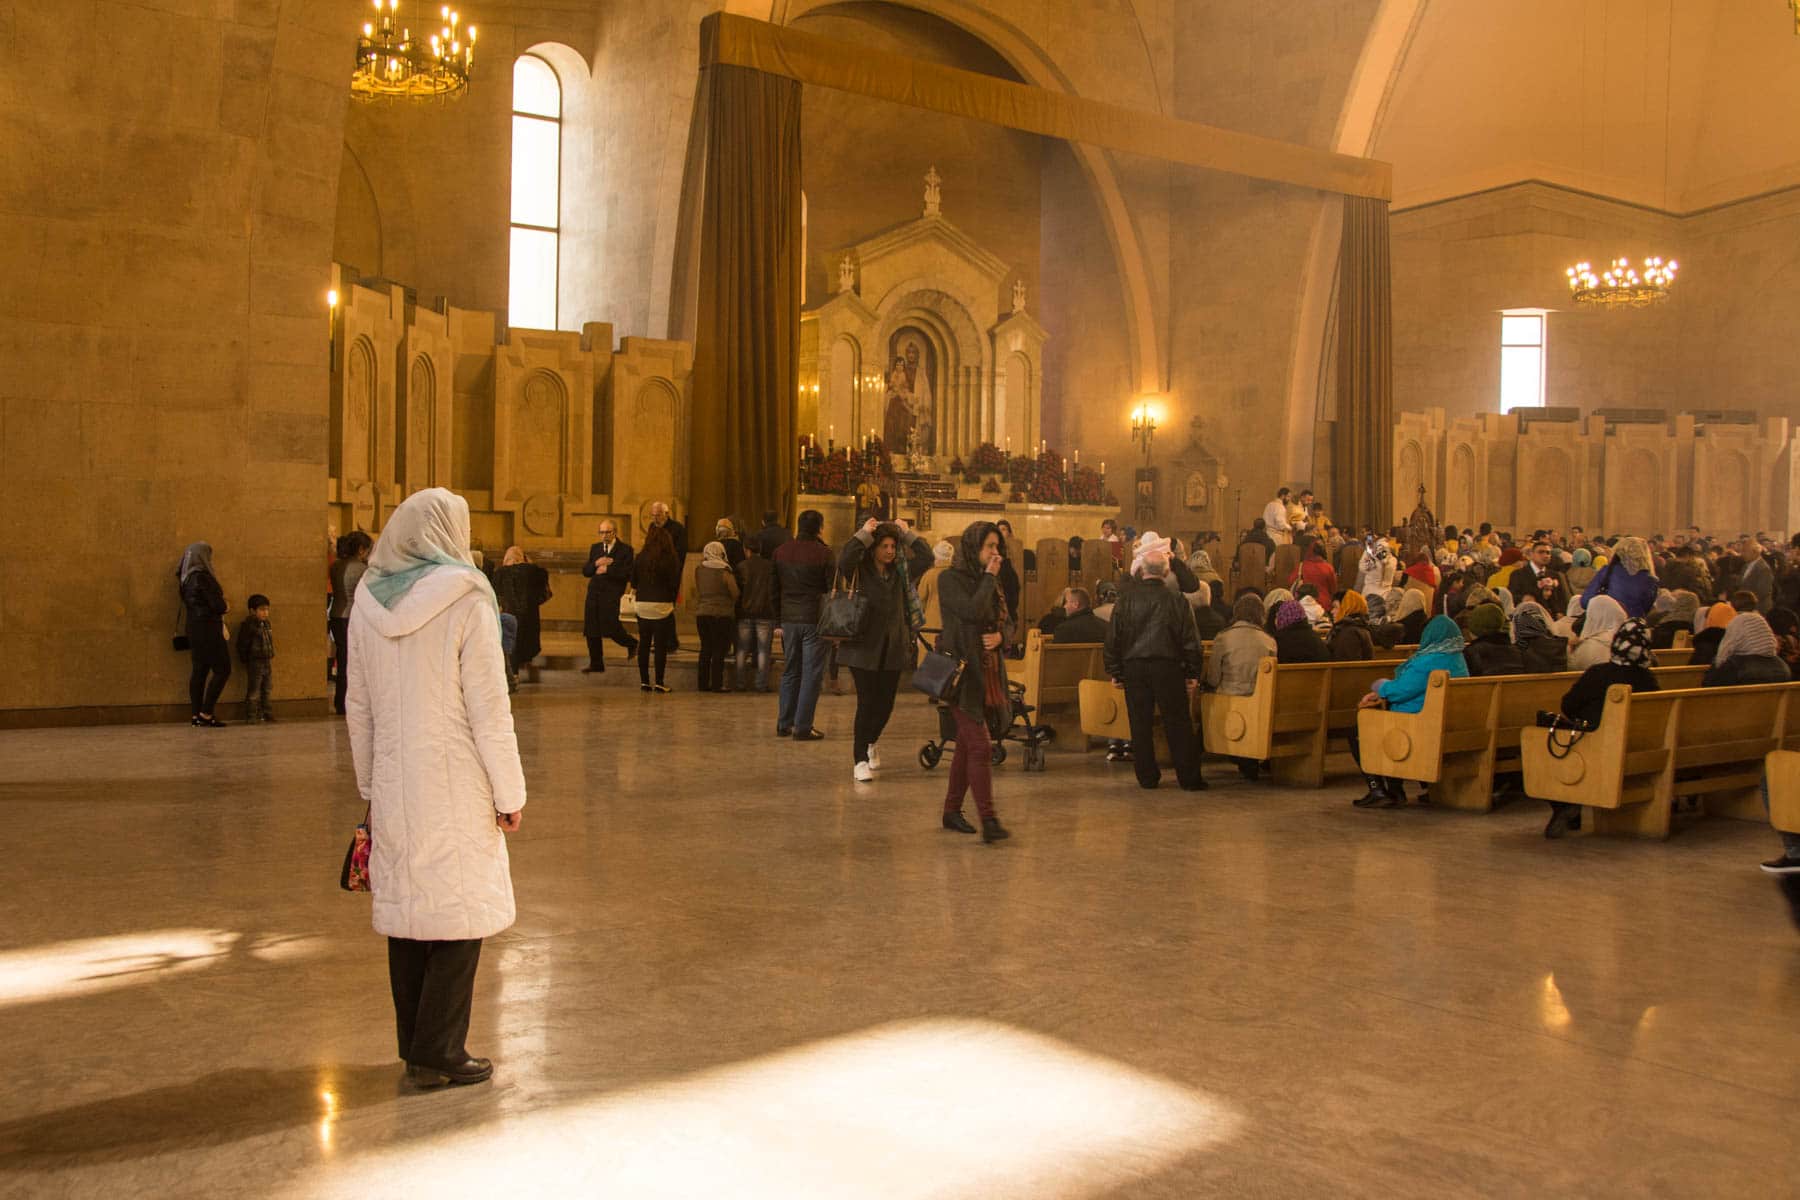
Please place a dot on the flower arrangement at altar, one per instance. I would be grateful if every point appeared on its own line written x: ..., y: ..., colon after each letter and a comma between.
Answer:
x: 1086, y: 487
x: 987, y: 459
x: 832, y: 475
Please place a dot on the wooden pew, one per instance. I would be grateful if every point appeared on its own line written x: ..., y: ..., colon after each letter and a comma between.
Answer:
x: 1652, y: 747
x: 1470, y: 728
x: 1680, y: 656
x: 1291, y: 716
x: 1052, y: 672
x: 1250, y: 569
x: 1783, y: 767
x: 1282, y: 565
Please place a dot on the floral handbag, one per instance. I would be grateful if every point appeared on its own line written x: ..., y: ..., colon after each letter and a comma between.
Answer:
x: 355, y: 876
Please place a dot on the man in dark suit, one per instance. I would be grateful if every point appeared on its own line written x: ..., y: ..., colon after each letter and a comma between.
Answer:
x: 608, y: 570
x: 773, y: 534
x: 1535, y: 578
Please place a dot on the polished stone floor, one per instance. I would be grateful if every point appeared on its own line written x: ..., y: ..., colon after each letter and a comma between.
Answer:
x: 736, y: 973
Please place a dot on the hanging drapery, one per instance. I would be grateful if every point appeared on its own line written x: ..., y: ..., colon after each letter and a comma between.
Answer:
x: 742, y: 451
x: 1362, y: 438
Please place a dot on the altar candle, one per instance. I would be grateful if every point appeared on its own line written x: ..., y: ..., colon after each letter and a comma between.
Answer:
x: 1078, y: 457
x: 1065, y: 466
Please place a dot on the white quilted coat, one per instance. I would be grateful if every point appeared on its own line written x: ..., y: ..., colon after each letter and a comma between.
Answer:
x: 431, y: 731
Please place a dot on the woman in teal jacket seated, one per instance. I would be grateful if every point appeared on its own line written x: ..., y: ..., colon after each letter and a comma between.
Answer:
x: 1440, y: 649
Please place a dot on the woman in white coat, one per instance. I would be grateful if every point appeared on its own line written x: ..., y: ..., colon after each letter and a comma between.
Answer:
x: 431, y: 731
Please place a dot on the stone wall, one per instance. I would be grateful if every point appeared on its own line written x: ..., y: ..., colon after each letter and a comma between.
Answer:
x: 165, y: 242
x: 1606, y: 476
x: 1719, y: 343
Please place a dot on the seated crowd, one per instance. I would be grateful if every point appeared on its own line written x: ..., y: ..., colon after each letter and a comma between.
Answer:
x: 1474, y: 603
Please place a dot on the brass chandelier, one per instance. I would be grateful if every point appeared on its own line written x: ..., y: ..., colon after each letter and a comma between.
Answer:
x: 392, y: 65
x: 1621, y: 285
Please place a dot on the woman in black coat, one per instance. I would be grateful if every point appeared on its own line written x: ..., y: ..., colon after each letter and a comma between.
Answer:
x: 523, y: 588
x: 881, y: 562
x: 1585, y: 700
x: 974, y: 614
x: 203, y: 609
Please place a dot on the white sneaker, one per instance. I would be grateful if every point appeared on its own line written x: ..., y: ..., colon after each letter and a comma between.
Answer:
x: 862, y: 774
x: 874, y: 758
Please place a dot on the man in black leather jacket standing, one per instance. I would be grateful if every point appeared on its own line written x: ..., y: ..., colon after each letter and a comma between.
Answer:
x: 1153, y: 651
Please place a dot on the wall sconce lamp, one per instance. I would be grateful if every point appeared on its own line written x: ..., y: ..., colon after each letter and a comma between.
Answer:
x: 1143, y: 427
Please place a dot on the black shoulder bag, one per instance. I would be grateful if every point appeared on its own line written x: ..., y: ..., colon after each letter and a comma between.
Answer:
x: 938, y: 675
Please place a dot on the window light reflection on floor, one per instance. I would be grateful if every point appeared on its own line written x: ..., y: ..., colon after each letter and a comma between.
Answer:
x: 80, y: 968
x: 946, y: 1109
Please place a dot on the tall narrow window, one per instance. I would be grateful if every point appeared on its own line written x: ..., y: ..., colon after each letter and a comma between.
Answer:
x: 1522, y: 359
x: 536, y: 193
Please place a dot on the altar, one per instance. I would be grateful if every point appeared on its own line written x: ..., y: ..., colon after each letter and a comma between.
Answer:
x: 920, y: 394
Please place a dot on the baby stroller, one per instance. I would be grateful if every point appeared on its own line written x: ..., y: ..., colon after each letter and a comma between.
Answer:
x: 1018, y: 728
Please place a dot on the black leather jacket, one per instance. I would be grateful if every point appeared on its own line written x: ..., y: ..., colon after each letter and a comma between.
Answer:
x: 802, y: 577
x: 1152, y: 621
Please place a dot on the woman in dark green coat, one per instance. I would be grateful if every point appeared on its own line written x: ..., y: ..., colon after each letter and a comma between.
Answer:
x: 974, y: 615
x: 881, y: 561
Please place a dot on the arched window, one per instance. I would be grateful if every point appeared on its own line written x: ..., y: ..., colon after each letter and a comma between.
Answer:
x: 536, y: 193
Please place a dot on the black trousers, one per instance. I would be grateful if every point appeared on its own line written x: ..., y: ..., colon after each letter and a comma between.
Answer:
x: 716, y: 637
x: 340, y: 641
x: 1387, y: 783
x: 211, y: 655
x: 434, y: 991
x: 600, y: 622
x: 875, y: 692
x: 1152, y: 686
x: 658, y: 641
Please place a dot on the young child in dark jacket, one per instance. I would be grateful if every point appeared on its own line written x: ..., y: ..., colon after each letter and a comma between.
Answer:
x: 256, y: 650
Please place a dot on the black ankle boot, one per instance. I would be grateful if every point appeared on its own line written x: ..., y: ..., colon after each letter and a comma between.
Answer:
x: 957, y: 823
x: 992, y: 830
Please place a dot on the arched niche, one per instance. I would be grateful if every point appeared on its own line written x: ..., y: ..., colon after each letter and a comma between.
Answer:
x: 1409, y: 475
x: 1459, y: 502
x: 360, y: 417
x: 420, y: 422
x: 539, y: 438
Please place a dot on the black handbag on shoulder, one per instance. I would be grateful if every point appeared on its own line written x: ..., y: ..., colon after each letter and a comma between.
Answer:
x: 938, y: 674
x: 844, y: 615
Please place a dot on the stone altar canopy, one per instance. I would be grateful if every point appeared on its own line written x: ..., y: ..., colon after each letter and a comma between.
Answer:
x: 1614, y: 471
x: 926, y: 341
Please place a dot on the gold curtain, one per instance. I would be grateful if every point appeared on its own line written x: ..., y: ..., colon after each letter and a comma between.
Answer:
x: 1362, y: 438
x: 742, y: 451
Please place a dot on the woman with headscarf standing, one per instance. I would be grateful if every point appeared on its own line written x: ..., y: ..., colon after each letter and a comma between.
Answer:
x: 656, y: 577
x: 431, y: 732
x: 346, y: 570
x: 715, y: 611
x: 203, y: 610
x: 943, y: 553
x: 974, y: 613
x: 1629, y: 661
x: 881, y: 560
x: 1440, y: 649
x: 523, y: 589
x: 1601, y: 619
x: 1630, y: 578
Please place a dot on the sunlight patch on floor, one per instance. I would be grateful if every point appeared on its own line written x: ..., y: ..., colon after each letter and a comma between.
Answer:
x: 947, y: 1109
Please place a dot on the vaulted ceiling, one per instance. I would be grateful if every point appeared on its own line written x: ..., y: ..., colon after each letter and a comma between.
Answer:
x: 1675, y: 104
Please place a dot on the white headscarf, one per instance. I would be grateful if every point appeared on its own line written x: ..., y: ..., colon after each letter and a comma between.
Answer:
x: 713, y: 555
x: 1748, y: 636
x: 1604, y: 616
x: 1149, y: 543
x: 943, y: 554
x: 429, y: 531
